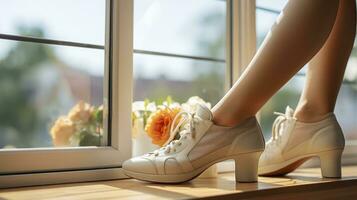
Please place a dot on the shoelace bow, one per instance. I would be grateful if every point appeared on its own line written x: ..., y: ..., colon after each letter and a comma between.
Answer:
x: 189, y: 128
x: 279, y: 124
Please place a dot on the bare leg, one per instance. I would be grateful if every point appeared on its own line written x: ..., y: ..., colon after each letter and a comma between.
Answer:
x: 301, y: 30
x: 326, y: 69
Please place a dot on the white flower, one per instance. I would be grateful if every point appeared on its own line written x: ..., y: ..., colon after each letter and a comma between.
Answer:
x: 192, y: 104
x: 171, y: 105
x: 140, y: 106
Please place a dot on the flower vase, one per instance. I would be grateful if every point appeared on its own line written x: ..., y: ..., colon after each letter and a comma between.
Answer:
x: 141, y: 141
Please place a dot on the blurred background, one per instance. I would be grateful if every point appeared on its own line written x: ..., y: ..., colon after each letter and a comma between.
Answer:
x: 179, y: 51
x: 39, y: 82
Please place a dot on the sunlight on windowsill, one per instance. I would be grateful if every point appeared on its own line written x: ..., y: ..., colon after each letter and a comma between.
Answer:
x: 305, y: 181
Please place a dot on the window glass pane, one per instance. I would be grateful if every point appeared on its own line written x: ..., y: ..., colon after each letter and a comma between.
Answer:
x: 272, y: 4
x: 72, y: 20
x: 351, y: 70
x: 346, y: 110
x: 287, y: 95
x: 264, y: 21
x: 156, y: 77
x: 195, y: 28
x: 41, y: 83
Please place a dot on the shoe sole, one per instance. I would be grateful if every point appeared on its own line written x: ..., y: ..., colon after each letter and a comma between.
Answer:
x: 330, y: 163
x: 244, y: 173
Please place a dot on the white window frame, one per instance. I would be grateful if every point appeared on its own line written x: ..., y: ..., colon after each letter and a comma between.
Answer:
x: 241, y: 36
x: 37, y: 166
x: 240, y: 48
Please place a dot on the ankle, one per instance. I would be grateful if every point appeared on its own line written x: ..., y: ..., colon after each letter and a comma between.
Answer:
x: 229, y: 121
x: 310, y: 113
x: 226, y: 121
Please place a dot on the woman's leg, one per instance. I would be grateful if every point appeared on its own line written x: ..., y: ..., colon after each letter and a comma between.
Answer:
x: 326, y: 69
x: 300, y: 31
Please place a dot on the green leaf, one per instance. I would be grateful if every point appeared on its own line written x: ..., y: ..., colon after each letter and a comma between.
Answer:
x: 169, y: 100
x: 133, y: 118
x: 99, y: 116
x: 146, y: 104
x: 89, y: 139
x: 146, y: 113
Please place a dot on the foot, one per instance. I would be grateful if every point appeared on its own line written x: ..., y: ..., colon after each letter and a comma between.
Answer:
x: 201, y: 144
x: 293, y: 142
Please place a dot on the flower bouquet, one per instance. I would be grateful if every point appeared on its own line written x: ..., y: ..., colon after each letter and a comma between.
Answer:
x: 82, y: 126
x: 152, y: 124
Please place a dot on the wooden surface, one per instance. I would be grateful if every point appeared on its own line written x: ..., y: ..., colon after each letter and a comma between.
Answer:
x: 303, y: 183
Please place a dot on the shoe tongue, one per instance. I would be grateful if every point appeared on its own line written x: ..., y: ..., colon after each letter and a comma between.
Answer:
x: 203, y: 112
x: 289, y: 111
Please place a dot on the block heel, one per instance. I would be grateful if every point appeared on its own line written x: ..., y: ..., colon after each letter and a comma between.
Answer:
x: 246, y: 167
x: 330, y: 162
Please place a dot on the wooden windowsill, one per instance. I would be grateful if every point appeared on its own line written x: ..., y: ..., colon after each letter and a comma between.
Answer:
x: 303, y: 183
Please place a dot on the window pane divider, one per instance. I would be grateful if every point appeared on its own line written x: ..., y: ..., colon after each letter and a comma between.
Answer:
x: 49, y: 41
x: 95, y: 46
x: 344, y: 81
x: 268, y: 10
x: 179, y: 55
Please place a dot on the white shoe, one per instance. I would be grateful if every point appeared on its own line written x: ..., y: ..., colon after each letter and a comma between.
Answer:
x: 293, y: 142
x: 201, y: 145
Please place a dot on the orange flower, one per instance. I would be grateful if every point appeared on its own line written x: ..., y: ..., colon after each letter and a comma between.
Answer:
x: 159, y: 123
x: 61, y: 131
x: 80, y: 112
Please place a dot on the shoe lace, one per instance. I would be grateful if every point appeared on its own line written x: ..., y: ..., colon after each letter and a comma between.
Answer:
x: 279, y: 125
x: 189, y: 120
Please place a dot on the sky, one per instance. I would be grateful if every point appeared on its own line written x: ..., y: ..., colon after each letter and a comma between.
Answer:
x: 70, y: 20
x: 173, y: 27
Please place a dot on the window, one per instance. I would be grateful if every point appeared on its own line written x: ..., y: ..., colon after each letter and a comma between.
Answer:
x: 185, y: 37
x: 41, y: 81
x: 52, y: 61
x: 186, y: 48
x: 64, y: 68
x: 266, y: 13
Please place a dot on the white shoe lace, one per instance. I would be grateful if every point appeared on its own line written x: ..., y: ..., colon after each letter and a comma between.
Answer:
x: 186, y: 118
x: 278, y: 126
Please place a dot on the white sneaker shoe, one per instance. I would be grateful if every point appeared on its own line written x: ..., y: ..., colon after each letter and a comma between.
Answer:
x: 201, y: 145
x: 293, y: 142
